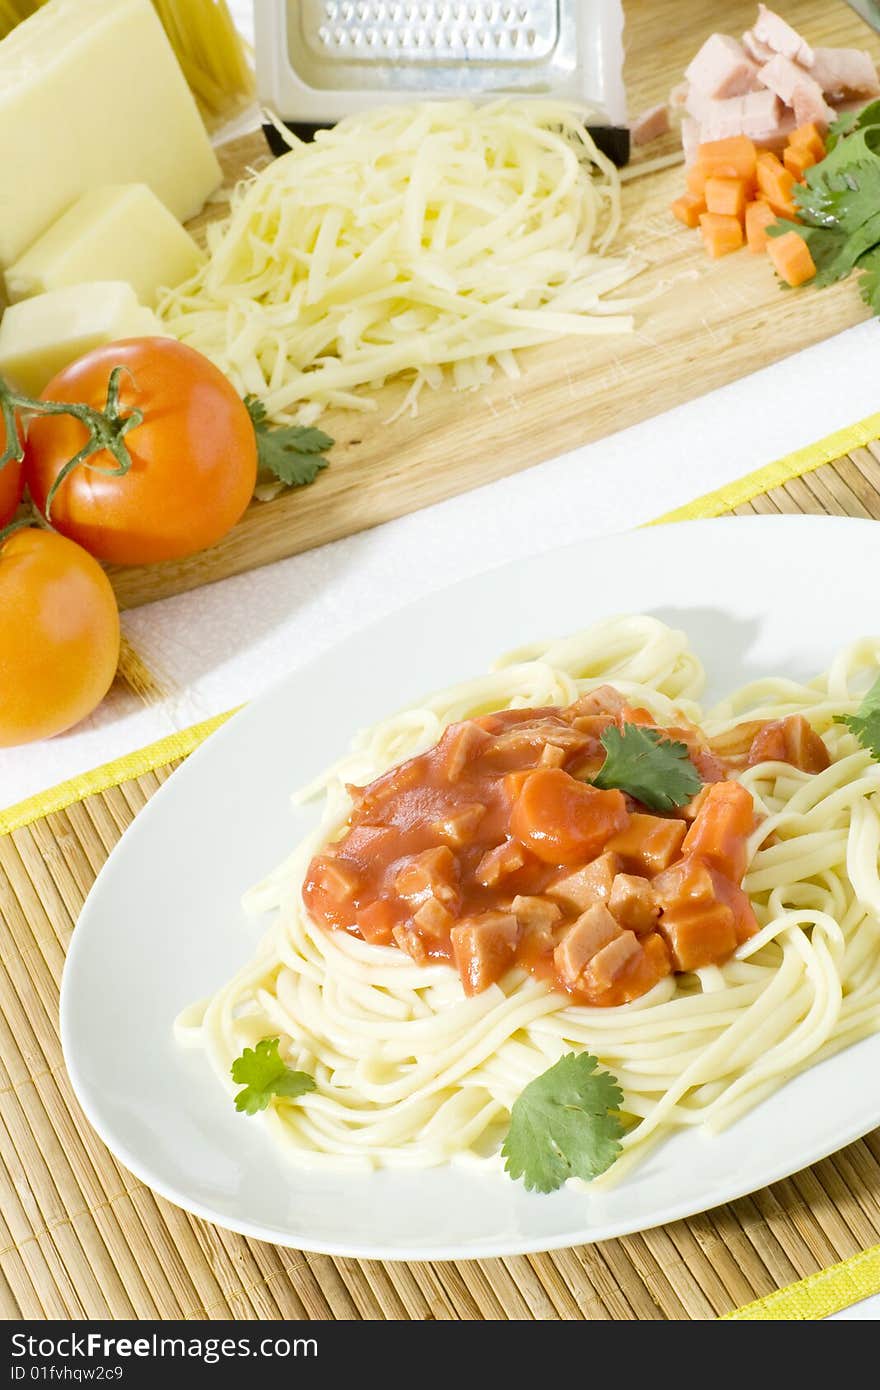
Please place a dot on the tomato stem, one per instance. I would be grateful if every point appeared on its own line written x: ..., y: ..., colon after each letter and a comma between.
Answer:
x: 18, y: 525
x: 106, y: 430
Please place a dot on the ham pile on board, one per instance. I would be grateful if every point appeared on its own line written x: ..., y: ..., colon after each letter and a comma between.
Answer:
x: 768, y: 84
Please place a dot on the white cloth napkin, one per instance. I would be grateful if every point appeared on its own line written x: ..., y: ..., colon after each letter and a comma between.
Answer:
x: 220, y: 645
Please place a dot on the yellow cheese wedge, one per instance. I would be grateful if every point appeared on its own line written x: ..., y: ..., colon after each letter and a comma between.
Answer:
x: 39, y: 336
x: 120, y: 232
x: 91, y: 93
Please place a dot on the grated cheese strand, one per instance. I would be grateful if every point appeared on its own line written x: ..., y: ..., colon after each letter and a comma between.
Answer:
x: 427, y: 242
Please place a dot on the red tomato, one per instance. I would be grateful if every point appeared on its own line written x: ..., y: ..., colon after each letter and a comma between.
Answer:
x: 59, y: 635
x: 564, y: 821
x: 194, y: 457
x: 11, y: 483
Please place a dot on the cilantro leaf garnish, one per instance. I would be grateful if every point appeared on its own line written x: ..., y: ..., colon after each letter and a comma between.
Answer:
x: 563, y: 1125
x: 263, y: 1074
x: 865, y: 723
x: 291, y: 453
x: 869, y: 284
x: 655, y: 770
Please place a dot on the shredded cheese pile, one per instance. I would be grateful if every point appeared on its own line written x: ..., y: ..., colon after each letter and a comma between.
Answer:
x: 408, y: 240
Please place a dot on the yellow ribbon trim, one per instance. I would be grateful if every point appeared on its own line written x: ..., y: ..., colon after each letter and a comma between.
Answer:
x: 805, y: 460
x: 100, y: 779
x: 820, y: 1294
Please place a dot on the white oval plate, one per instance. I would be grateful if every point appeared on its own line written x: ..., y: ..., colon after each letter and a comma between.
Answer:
x: 163, y: 925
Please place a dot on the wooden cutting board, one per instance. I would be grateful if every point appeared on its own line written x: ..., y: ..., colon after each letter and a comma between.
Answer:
x: 715, y: 322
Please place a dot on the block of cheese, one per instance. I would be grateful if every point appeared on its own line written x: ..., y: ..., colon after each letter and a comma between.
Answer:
x: 39, y: 336
x: 119, y: 232
x: 91, y: 93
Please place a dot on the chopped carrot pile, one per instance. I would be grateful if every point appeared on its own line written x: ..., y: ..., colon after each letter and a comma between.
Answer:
x: 735, y: 192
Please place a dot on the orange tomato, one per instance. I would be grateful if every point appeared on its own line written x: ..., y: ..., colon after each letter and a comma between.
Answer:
x: 11, y: 483
x: 59, y: 635
x: 194, y: 457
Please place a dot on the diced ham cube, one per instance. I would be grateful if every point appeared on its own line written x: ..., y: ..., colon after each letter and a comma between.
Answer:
x: 685, y: 883
x: 411, y: 941
x: 810, y: 109
x: 607, y: 965
x: 483, y: 948
x: 433, y: 919
x: 757, y: 50
x: 586, y: 886
x: 537, y: 918
x: 690, y: 140
x: 376, y: 923
x: 457, y: 829
x: 499, y: 862
x: 648, y: 844
x: 718, y: 120
x: 584, y: 938
x: 722, y: 68
x: 797, y: 89
x: 845, y: 72
x: 775, y: 137
x: 634, y: 903
x: 762, y: 112
x: 552, y: 756
x: 771, y: 29
x: 431, y: 874
x: 338, y: 878
x: 699, y: 936
x: 461, y: 744
x: 650, y: 125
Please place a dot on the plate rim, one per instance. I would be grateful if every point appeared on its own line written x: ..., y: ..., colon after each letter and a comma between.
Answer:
x: 491, y: 1248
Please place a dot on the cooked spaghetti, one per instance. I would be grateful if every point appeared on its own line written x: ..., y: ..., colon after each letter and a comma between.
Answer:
x: 410, y: 1070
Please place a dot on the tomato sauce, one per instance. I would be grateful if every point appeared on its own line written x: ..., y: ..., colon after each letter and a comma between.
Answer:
x: 492, y: 850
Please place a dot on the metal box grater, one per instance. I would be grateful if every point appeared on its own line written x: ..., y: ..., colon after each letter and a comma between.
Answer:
x: 318, y: 60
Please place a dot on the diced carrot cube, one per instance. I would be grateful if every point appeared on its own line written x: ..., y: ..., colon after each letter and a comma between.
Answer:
x: 791, y: 259
x: 759, y: 216
x: 776, y: 184
x: 727, y: 196
x: 734, y: 158
x: 722, y: 827
x: 695, y: 179
x: 744, y: 920
x: 721, y: 234
x: 797, y: 160
x: 808, y: 137
x: 687, y: 209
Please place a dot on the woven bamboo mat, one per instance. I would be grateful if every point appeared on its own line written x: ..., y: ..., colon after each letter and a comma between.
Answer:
x: 80, y: 1237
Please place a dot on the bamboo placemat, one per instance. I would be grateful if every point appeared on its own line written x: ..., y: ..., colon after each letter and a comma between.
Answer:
x: 81, y: 1238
